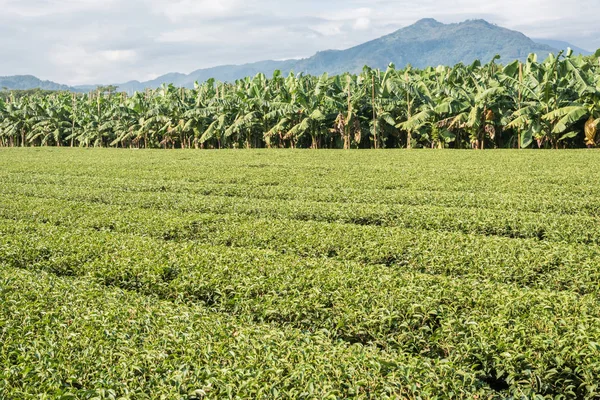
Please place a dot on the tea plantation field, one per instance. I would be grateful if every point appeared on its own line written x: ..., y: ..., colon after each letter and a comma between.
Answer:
x: 299, y: 274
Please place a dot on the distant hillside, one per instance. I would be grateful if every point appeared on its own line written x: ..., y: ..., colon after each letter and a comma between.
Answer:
x: 425, y: 43
x: 559, y: 44
x: 225, y: 73
x: 429, y: 43
x: 24, y: 82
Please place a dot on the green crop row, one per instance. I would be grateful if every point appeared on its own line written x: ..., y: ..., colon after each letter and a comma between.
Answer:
x: 519, y: 338
x: 555, y: 202
x: 525, y: 173
x: 544, y: 226
x: 72, y: 339
x: 525, y: 262
x: 299, y: 274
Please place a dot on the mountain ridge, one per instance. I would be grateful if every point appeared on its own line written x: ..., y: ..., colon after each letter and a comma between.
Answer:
x: 427, y: 42
x: 424, y: 43
x: 562, y: 45
x: 26, y: 82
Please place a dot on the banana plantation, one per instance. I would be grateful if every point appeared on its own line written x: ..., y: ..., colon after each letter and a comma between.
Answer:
x: 554, y: 103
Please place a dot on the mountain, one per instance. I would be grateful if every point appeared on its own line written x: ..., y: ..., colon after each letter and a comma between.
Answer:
x: 425, y: 43
x: 23, y: 82
x: 226, y: 73
x: 430, y: 43
x: 558, y: 44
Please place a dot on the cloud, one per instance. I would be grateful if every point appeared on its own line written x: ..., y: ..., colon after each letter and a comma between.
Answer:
x: 177, y: 10
x: 361, y: 24
x: 119, y: 55
x: 188, y: 35
x: 108, y: 41
x: 44, y: 8
x: 328, y: 28
x: 348, y: 14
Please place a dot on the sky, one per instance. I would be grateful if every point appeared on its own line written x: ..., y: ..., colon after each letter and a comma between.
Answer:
x: 114, y: 41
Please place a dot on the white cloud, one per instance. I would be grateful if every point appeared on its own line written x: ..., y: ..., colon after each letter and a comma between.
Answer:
x: 119, y: 55
x: 186, y: 35
x: 177, y: 10
x: 348, y: 14
x: 42, y: 8
x: 104, y: 41
x: 149, y: 77
x: 87, y: 65
x: 361, y: 24
x: 328, y: 28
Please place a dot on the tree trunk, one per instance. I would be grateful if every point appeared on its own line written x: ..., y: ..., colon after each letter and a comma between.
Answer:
x: 374, y: 114
x: 347, y: 137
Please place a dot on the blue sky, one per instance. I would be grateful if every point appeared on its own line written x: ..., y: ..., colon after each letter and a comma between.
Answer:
x: 112, y: 41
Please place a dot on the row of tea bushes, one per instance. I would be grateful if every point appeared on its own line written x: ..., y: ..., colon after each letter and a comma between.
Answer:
x: 65, y: 338
x: 543, y: 226
x: 519, y: 338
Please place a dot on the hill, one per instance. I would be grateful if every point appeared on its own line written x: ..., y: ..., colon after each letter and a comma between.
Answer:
x: 24, y: 82
x: 559, y: 44
x: 429, y: 43
x: 425, y: 43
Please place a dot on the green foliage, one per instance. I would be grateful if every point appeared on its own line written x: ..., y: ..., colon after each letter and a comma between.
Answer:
x: 544, y: 104
x: 18, y: 94
x: 267, y: 274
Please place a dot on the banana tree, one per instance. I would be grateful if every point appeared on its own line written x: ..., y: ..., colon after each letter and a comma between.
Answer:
x: 480, y: 98
x: 553, y: 101
x: 20, y: 117
x: 349, y: 105
x: 547, y: 109
x: 577, y: 78
x: 412, y: 90
x: 311, y: 101
x: 383, y: 102
x: 52, y: 121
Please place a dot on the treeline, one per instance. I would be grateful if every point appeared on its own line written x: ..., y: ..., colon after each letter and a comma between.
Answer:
x: 7, y: 95
x: 553, y: 103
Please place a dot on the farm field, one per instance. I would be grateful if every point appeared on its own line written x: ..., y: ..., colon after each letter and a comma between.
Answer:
x: 158, y: 274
